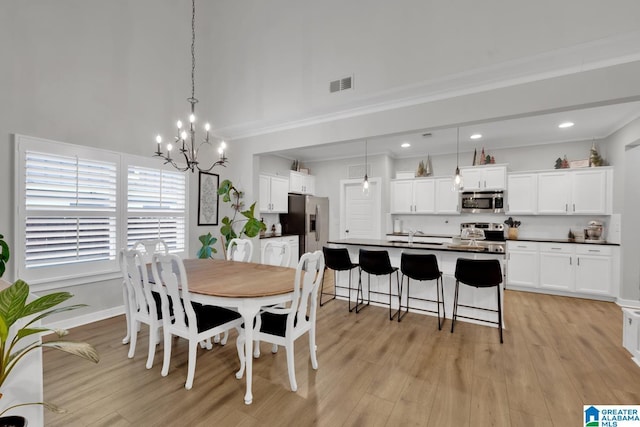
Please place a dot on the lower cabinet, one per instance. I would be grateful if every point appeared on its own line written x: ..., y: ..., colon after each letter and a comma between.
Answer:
x: 566, y: 268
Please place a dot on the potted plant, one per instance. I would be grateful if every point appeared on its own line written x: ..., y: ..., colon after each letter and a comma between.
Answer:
x: 207, y: 250
x: 251, y: 226
x: 18, y: 329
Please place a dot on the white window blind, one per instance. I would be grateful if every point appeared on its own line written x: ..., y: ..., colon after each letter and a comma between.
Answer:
x: 70, y: 205
x: 156, y: 206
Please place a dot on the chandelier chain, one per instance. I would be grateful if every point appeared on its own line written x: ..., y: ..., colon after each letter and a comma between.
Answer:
x: 193, y: 49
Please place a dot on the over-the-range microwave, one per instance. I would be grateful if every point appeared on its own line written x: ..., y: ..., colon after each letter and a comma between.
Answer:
x: 482, y: 201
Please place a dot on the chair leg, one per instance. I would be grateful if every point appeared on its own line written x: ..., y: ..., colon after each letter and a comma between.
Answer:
x: 360, y: 294
x: 499, y: 314
x: 225, y: 337
x: 191, y: 368
x: 167, y: 353
x: 322, y: 288
x: 455, y: 306
x: 153, y: 339
x: 133, y: 339
x: 312, y: 346
x: 401, y: 286
x: 127, y: 313
x: 291, y: 367
x: 438, y: 287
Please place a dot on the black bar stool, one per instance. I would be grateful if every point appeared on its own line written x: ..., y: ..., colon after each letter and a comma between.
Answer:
x: 378, y: 264
x: 421, y: 267
x: 479, y: 273
x: 337, y: 259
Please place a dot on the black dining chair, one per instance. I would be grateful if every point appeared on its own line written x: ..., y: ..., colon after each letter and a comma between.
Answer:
x: 421, y: 267
x: 479, y: 273
x: 376, y: 263
x: 337, y: 259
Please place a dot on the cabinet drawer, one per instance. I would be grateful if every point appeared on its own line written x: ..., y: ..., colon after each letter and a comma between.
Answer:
x: 292, y: 240
x: 563, y: 248
x: 587, y: 249
x: 522, y: 246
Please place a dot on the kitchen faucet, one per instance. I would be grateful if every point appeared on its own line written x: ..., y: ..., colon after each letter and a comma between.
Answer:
x: 412, y: 233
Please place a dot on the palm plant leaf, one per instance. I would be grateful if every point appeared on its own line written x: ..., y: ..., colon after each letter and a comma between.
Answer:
x: 45, y: 302
x: 57, y: 310
x: 12, y: 301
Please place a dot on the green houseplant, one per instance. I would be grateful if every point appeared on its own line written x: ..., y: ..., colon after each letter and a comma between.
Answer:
x: 18, y: 330
x: 207, y: 250
x: 251, y: 226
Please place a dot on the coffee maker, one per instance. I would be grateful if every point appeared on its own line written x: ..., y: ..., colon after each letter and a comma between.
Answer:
x: 593, y: 232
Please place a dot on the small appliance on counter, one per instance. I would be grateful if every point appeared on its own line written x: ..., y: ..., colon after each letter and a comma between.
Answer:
x: 593, y: 232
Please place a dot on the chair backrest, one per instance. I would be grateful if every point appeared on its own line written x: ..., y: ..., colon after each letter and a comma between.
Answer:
x: 375, y: 262
x: 307, y: 281
x: 171, y: 279
x: 276, y: 253
x: 136, y: 278
x: 240, y: 250
x: 149, y: 247
x: 481, y: 273
x: 337, y: 259
x: 419, y: 266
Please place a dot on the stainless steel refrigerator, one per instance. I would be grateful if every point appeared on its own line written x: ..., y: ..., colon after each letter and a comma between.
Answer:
x: 308, y: 217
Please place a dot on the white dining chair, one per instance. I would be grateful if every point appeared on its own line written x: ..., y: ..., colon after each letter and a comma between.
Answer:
x: 240, y: 250
x: 146, y: 248
x: 144, y: 304
x: 283, y: 325
x: 194, y: 322
x: 276, y: 253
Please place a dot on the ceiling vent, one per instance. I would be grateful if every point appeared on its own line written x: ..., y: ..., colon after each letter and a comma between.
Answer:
x: 341, y: 84
x: 357, y: 171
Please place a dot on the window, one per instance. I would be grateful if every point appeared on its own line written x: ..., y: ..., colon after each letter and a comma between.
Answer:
x: 77, y: 206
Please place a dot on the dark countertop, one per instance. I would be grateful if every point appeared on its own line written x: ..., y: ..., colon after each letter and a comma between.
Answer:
x: 416, y: 245
x: 548, y: 240
x: 440, y: 236
x: 269, y: 235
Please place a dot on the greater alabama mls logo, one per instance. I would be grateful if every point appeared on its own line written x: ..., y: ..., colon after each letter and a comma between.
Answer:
x: 611, y: 416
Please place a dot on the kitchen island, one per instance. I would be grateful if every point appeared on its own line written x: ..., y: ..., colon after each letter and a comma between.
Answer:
x: 447, y: 255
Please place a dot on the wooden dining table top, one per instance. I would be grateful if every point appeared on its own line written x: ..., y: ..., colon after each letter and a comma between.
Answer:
x: 236, y: 279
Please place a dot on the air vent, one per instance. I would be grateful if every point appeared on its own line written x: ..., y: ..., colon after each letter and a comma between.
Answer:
x: 357, y: 171
x: 341, y: 84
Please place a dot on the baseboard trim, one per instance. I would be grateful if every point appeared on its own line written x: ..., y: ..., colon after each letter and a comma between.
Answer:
x: 632, y: 303
x: 86, y: 318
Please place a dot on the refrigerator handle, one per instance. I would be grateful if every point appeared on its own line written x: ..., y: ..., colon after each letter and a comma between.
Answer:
x: 317, y: 223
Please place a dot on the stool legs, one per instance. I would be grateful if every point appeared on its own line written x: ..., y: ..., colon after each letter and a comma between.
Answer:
x: 360, y: 294
x: 334, y: 288
x: 439, y: 300
x: 499, y: 311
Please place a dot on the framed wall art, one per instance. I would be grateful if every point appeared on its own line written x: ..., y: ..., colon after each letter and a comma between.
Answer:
x: 208, y: 198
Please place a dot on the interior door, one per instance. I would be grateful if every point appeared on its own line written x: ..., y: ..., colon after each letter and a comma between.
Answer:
x: 361, y: 213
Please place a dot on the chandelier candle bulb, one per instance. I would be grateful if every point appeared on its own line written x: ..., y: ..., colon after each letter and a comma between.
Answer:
x: 158, y: 141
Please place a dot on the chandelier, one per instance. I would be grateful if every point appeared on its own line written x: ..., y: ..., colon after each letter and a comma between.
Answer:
x: 186, y: 138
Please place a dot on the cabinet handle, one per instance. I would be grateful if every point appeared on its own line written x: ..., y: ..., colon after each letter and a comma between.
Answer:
x: 519, y: 246
x: 556, y: 249
x: 479, y: 184
x: 594, y: 250
x: 574, y: 207
x: 566, y: 207
x: 578, y: 261
x: 485, y: 183
x: 570, y: 261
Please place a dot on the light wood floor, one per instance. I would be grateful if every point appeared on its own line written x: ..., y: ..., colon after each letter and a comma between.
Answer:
x: 559, y: 353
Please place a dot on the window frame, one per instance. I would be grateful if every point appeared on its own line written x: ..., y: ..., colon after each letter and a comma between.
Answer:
x: 45, y: 278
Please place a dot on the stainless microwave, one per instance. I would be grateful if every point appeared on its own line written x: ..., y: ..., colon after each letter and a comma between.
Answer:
x: 482, y: 201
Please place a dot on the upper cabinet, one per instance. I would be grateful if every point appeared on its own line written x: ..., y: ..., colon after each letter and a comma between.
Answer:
x: 413, y: 196
x: 447, y: 199
x: 577, y: 192
x: 481, y: 178
x: 302, y: 183
x: 273, y: 194
x: 522, y: 194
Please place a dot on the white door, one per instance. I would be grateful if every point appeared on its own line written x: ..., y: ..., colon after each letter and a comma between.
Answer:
x: 360, y: 217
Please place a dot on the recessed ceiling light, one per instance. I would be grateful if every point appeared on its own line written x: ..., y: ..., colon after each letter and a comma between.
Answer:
x: 405, y: 145
x: 565, y: 125
x: 476, y: 136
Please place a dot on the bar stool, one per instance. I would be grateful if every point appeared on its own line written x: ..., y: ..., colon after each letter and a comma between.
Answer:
x: 337, y: 259
x: 421, y: 267
x: 378, y: 264
x: 479, y: 273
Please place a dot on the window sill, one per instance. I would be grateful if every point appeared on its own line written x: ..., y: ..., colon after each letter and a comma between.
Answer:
x: 66, y: 282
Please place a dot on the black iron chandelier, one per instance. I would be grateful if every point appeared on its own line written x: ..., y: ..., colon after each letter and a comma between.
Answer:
x: 186, y: 138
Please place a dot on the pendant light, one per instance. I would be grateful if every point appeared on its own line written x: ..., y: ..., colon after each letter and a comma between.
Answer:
x: 457, y: 179
x: 365, y: 182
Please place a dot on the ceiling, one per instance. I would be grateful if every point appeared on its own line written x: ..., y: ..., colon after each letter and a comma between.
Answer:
x: 590, y: 123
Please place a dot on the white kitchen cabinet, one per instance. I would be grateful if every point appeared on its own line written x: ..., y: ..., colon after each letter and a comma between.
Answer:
x: 557, y: 267
x: 522, y: 264
x: 302, y: 183
x: 522, y: 193
x: 577, y: 192
x: 412, y: 196
x: 484, y: 178
x: 594, y: 268
x: 447, y: 200
x: 273, y: 194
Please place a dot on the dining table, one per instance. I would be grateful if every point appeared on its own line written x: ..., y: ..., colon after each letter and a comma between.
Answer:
x: 244, y: 286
